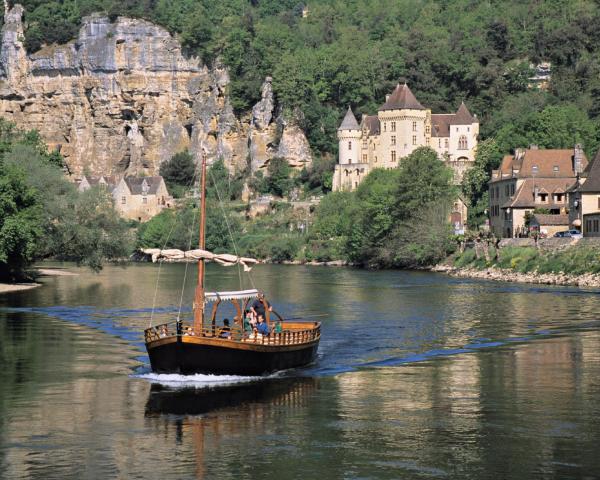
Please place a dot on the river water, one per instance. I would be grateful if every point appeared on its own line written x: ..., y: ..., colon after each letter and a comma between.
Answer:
x: 419, y: 376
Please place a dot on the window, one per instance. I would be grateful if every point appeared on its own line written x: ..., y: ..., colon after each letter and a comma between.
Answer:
x: 468, y: 129
x: 491, y: 193
x: 558, y: 197
x: 349, y: 160
x: 427, y: 140
x: 124, y: 200
x: 439, y: 143
x: 384, y: 126
x: 595, y: 225
x: 446, y: 143
x: 365, y: 145
x: 346, y: 172
x: 462, y: 142
x: 543, y: 197
x: 375, y: 159
x: 393, y: 139
x: 393, y: 155
x: 588, y: 225
x: 497, y: 192
x: 599, y: 202
x: 512, y: 189
x: 145, y: 200
x: 414, y: 139
x: 428, y: 129
x: 414, y: 126
x: 349, y: 145
x: 364, y: 158
x: 393, y: 126
x: 506, y: 190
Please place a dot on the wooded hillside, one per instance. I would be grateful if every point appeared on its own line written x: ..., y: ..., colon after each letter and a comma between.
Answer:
x: 353, y: 52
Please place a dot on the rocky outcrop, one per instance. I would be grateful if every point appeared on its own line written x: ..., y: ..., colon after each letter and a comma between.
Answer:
x: 122, y: 98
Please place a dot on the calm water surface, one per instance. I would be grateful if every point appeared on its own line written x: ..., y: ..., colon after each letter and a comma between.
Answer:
x: 418, y: 376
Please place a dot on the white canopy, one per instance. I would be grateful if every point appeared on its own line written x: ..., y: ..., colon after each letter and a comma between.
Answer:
x: 239, y: 295
x: 224, y: 259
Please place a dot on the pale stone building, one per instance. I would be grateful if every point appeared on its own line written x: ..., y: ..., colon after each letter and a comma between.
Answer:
x: 87, y: 182
x: 584, y: 200
x: 141, y: 198
x: 532, y: 179
x: 402, y: 125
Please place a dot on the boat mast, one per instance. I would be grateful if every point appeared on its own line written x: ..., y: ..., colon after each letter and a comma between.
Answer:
x: 199, y: 297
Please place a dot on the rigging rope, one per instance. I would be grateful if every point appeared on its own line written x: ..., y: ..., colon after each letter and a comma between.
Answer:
x: 186, y: 267
x: 229, y: 228
x: 175, y: 222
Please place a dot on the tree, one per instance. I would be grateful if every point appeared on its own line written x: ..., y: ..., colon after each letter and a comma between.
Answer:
x: 20, y: 212
x: 279, y: 182
x: 179, y: 172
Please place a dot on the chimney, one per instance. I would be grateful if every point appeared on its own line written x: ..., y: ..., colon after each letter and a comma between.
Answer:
x: 387, y: 97
x: 577, y: 159
x: 519, y: 153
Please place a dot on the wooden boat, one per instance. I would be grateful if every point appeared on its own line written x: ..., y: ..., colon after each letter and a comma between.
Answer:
x: 204, y: 347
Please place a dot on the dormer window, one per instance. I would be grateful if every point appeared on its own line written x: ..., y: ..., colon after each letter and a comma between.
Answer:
x: 145, y: 187
x: 555, y: 168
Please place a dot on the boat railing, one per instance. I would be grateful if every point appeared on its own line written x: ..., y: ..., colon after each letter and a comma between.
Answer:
x: 292, y: 334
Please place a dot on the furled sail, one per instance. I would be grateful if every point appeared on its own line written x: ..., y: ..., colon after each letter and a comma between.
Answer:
x: 224, y: 259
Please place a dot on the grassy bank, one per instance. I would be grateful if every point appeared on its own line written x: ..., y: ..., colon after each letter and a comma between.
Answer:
x: 575, y: 260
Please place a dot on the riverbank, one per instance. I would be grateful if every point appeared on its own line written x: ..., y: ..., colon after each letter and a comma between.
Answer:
x: 591, y: 280
x: 39, y: 272
x: 550, y: 262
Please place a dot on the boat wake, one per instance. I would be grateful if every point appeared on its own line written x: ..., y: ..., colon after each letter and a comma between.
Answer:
x: 198, y: 380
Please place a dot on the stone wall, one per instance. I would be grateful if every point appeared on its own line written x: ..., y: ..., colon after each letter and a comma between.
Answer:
x: 122, y: 98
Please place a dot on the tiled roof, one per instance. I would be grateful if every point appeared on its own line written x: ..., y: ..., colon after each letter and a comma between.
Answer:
x: 592, y: 175
x: 440, y: 124
x: 523, y: 197
x: 349, y: 122
x: 557, y: 163
x: 547, y: 219
x: 135, y: 184
x: 402, y: 98
x: 372, y: 123
x: 463, y: 116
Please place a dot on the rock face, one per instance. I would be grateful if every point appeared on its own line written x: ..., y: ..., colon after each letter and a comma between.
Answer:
x: 122, y: 98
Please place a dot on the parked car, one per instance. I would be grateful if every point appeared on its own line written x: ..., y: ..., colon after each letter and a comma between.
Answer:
x: 569, y: 233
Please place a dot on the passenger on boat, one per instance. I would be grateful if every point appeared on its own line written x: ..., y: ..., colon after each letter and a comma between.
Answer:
x: 189, y: 331
x: 163, y: 331
x: 262, y: 326
x: 225, y: 331
x: 258, y: 307
x: 249, y: 320
x: 255, y: 335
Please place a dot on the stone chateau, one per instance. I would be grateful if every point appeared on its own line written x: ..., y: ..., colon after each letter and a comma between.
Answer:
x: 402, y: 125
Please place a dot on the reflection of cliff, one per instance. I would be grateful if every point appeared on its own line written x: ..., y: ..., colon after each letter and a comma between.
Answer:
x: 122, y: 98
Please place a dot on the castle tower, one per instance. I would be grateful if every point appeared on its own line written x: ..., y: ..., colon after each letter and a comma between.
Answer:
x: 349, y: 171
x: 348, y: 135
x: 404, y: 123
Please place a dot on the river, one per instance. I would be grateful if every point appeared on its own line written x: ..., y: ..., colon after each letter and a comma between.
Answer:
x: 419, y: 375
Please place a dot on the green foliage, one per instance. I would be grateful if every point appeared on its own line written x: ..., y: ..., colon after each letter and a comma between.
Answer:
x: 396, y: 218
x: 475, y: 181
x: 19, y: 223
x: 279, y: 181
x: 221, y: 184
x: 353, y: 53
x: 43, y: 215
x: 179, y: 173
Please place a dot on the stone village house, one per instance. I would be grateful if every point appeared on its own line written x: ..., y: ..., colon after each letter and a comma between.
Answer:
x: 135, y: 198
x: 584, y: 200
x: 400, y: 126
x: 533, y: 179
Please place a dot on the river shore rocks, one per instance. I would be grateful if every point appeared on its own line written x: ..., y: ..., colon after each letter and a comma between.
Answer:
x: 507, y: 275
x: 122, y: 98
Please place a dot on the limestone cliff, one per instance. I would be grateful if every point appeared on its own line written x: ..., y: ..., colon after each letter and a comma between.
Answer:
x: 122, y: 98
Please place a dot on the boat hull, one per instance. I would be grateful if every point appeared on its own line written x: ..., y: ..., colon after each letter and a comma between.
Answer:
x: 184, y: 356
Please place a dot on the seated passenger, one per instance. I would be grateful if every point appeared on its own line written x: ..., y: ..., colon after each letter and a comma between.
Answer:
x: 189, y: 331
x: 163, y: 331
x: 262, y: 326
x: 225, y: 331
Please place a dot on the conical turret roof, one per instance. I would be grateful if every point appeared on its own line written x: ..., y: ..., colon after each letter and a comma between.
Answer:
x: 463, y: 116
x: 349, y: 122
x: 400, y: 99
